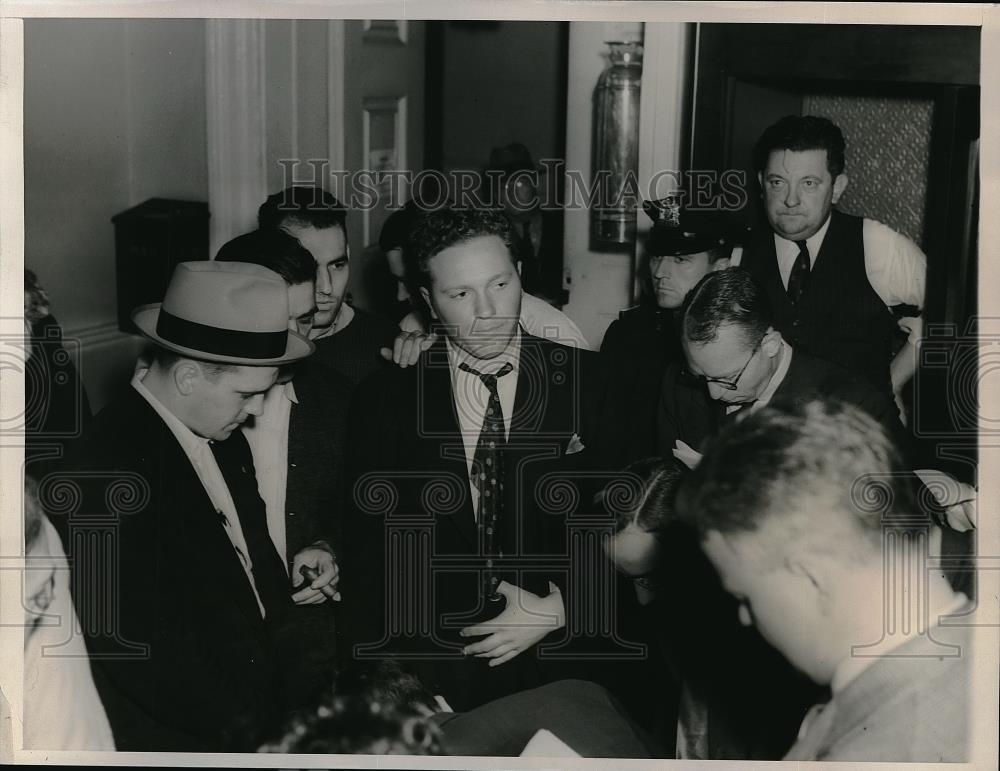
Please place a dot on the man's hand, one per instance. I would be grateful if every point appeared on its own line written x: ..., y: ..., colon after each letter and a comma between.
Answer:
x: 407, y: 347
x: 526, y: 620
x: 686, y: 454
x: 320, y: 558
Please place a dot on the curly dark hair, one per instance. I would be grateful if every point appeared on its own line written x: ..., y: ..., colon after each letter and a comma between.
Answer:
x: 802, y: 132
x: 377, y: 710
x: 435, y: 231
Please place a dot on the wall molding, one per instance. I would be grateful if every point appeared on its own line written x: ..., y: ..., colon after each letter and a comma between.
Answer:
x: 92, y: 335
x: 237, y: 126
x: 336, y: 45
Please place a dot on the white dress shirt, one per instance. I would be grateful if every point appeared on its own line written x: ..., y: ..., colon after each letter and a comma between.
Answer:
x: 268, y: 439
x: 472, y: 396
x: 203, y: 461
x: 895, y: 266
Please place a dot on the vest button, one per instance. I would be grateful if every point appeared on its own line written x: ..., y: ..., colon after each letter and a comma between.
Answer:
x: 291, y: 513
x: 797, y: 323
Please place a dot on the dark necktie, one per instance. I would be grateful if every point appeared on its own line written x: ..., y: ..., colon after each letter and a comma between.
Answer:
x: 799, y: 276
x: 236, y: 464
x: 730, y: 416
x: 487, y: 473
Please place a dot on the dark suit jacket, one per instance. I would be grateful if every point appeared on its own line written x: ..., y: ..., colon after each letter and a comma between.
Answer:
x: 314, y: 508
x: 412, y: 563
x: 638, y: 347
x: 687, y: 413
x: 727, y: 666
x: 181, y: 656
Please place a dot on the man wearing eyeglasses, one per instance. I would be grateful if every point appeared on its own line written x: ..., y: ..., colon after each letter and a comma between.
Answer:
x: 735, y: 360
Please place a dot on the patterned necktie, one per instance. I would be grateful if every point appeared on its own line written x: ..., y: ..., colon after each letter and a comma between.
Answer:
x: 487, y: 473
x: 799, y: 276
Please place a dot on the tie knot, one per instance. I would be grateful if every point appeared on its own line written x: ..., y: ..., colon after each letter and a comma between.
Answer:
x: 489, y: 379
x: 803, y: 247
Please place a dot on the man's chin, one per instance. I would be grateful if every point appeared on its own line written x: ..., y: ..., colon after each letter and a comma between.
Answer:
x: 485, y: 349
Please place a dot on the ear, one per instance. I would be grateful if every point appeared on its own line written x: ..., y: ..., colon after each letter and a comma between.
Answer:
x: 772, y: 342
x: 427, y: 299
x: 839, y: 186
x: 721, y: 264
x: 760, y: 181
x: 186, y: 376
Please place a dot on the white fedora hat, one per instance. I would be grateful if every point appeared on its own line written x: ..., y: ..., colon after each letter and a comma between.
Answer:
x: 230, y: 312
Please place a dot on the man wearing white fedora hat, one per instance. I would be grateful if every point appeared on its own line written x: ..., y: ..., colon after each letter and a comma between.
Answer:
x: 183, y: 595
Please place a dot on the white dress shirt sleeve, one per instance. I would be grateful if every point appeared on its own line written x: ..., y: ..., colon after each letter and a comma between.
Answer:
x: 896, y: 267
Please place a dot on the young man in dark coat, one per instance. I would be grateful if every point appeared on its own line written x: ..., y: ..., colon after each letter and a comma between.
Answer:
x: 466, y: 469
x: 182, y: 596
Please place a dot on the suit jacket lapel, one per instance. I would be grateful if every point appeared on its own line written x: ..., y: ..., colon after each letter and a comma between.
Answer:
x: 438, y: 427
x: 193, y: 511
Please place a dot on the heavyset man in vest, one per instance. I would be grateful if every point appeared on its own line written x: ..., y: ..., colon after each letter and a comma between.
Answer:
x: 831, y: 278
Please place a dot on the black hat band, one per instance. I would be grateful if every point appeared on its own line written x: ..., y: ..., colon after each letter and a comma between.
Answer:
x: 221, y: 342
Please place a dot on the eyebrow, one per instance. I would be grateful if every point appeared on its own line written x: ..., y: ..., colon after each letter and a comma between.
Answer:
x: 465, y: 287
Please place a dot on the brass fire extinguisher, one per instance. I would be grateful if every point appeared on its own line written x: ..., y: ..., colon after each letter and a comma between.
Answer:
x: 616, y: 152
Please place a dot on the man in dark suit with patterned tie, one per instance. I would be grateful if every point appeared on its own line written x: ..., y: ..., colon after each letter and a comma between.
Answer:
x: 183, y: 596
x: 466, y: 469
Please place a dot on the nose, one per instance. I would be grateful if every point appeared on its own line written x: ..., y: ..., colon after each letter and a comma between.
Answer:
x: 744, y: 615
x: 791, y: 196
x: 662, y: 269
x: 323, y: 284
x: 402, y: 295
x: 485, y: 307
x: 255, y: 405
x: 716, y: 391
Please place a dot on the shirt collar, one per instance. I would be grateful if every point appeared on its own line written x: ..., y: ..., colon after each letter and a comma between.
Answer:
x: 190, y: 442
x: 814, y: 243
x: 344, y: 317
x: 511, y: 354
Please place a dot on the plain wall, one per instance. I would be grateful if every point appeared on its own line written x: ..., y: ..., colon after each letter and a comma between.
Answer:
x: 114, y: 113
x: 501, y: 85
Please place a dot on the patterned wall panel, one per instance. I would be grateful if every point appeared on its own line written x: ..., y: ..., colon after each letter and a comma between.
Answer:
x: 888, y: 146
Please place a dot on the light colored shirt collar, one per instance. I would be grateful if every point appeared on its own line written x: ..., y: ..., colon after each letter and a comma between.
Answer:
x: 814, y: 243
x: 849, y: 669
x: 344, y: 317
x: 190, y: 442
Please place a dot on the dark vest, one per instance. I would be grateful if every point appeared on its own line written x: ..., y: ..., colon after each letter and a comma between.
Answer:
x: 839, y: 316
